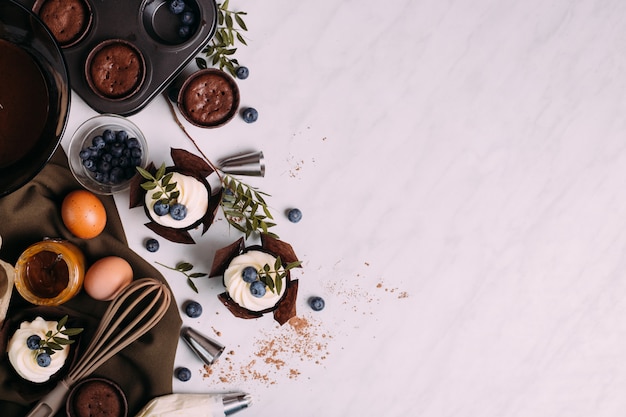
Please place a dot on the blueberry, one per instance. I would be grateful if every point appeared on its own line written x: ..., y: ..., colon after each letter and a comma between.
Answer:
x: 116, y: 175
x: 161, y: 208
x: 193, y: 309
x: 89, y: 164
x: 43, y: 359
x: 95, y: 152
x: 249, y: 274
x: 183, y: 374
x: 242, y: 73
x: 250, y: 115
x: 98, y: 142
x: 104, y: 166
x: 177, y: 6
x: 117, y: 148
x: 102, y: 177
x: 294, y: 215
x: 178, y: 211
x: 107, y: 157
x: 317, y: 303
x: 136, y: 152
x: 152, y: 245
x: 33, y: 342
x: 123, y: 161
x: 257, y: 289
x: 84, y: 154
x: 121, y: 135
x: 133, y: 143
x: 187, y: 18
x: 108, y: 136
x: 184, y: 31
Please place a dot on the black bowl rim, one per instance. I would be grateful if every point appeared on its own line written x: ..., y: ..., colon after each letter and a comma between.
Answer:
x: 66, y: 75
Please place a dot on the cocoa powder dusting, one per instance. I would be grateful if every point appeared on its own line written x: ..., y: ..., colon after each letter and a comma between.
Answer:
x: 277, y: 353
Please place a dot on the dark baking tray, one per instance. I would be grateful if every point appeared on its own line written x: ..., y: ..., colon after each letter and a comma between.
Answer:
x: 150, y: 27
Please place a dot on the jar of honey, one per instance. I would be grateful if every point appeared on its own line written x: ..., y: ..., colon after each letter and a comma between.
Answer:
x: 50, y: 272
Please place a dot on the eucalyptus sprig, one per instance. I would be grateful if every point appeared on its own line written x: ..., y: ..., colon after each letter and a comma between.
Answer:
x: 167, y: 193
x: 275, y: 284
x: 53, y: 342
x: 184, y: 268
x: 245, y: 208
x: 221, y: 48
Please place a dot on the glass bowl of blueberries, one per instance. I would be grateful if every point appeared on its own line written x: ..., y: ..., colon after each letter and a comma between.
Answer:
x: 104, y: 153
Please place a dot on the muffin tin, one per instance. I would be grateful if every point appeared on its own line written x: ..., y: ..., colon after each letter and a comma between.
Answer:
x: 153, y: 30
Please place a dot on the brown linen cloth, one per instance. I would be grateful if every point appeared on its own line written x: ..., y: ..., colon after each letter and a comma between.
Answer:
x: 143, y: 369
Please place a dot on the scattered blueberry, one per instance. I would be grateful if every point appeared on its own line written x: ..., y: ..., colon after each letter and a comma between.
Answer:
x: 183, y: 374
x: 43, y: 359
x: 33, y: 342
x: 187, y: 18
x: 294, y: 215
x: 317, y: 303
x: 152, y: 245
x: 250, y: 115
x: 257, y: 289
x: 242, y: 73
x: 178, y: 211
x: 249, y: 274
x: 193, y: 309
x: 184, y: 31
x: 161, y: 208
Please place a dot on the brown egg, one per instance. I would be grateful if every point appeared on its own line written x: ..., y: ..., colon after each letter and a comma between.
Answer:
x: 83, y: 214
x: 107, y: 277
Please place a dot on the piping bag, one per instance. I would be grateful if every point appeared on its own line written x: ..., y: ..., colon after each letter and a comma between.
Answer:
x: 196, y: 405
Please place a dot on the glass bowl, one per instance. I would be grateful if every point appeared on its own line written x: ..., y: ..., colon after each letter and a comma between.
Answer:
x: 50, y: 272
x: 107, y: 174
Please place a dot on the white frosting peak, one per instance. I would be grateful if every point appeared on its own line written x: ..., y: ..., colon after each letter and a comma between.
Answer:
x: 193, y: 194
x: 239, y: 290
x: 24, y: 360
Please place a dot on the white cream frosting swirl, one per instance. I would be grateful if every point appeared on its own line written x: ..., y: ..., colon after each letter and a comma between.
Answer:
x: 193, y: 194
x: 24, y: 360
x: 239, y: 290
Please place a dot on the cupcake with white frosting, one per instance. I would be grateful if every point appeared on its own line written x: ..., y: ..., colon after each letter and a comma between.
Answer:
x: 39, y: 349
x: 258, y: 278
x: 178, y: 198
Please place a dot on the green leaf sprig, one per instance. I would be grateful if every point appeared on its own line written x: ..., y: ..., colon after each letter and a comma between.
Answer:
x: 221, y: 48
x: 184, y: 268
x: 275, y: 282
x: 53, y: 342
x: 167, y: 193
x: 245, y: 208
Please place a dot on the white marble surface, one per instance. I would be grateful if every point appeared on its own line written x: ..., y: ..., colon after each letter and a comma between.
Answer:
x: 461, y: 168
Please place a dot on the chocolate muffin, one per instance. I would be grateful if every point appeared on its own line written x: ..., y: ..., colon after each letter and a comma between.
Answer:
x: 115, y: 69
x: 68, y: 20
x: 209, y: 98
x: 97, y: 397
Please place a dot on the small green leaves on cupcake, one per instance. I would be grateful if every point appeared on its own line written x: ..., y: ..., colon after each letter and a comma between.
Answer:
x: 53, y: 341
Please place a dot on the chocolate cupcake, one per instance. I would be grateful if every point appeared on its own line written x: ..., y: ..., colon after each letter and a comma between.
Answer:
x: 96, y: 397
x: 115, y: 69
x: 209, y: 98
x: 68, y: 20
